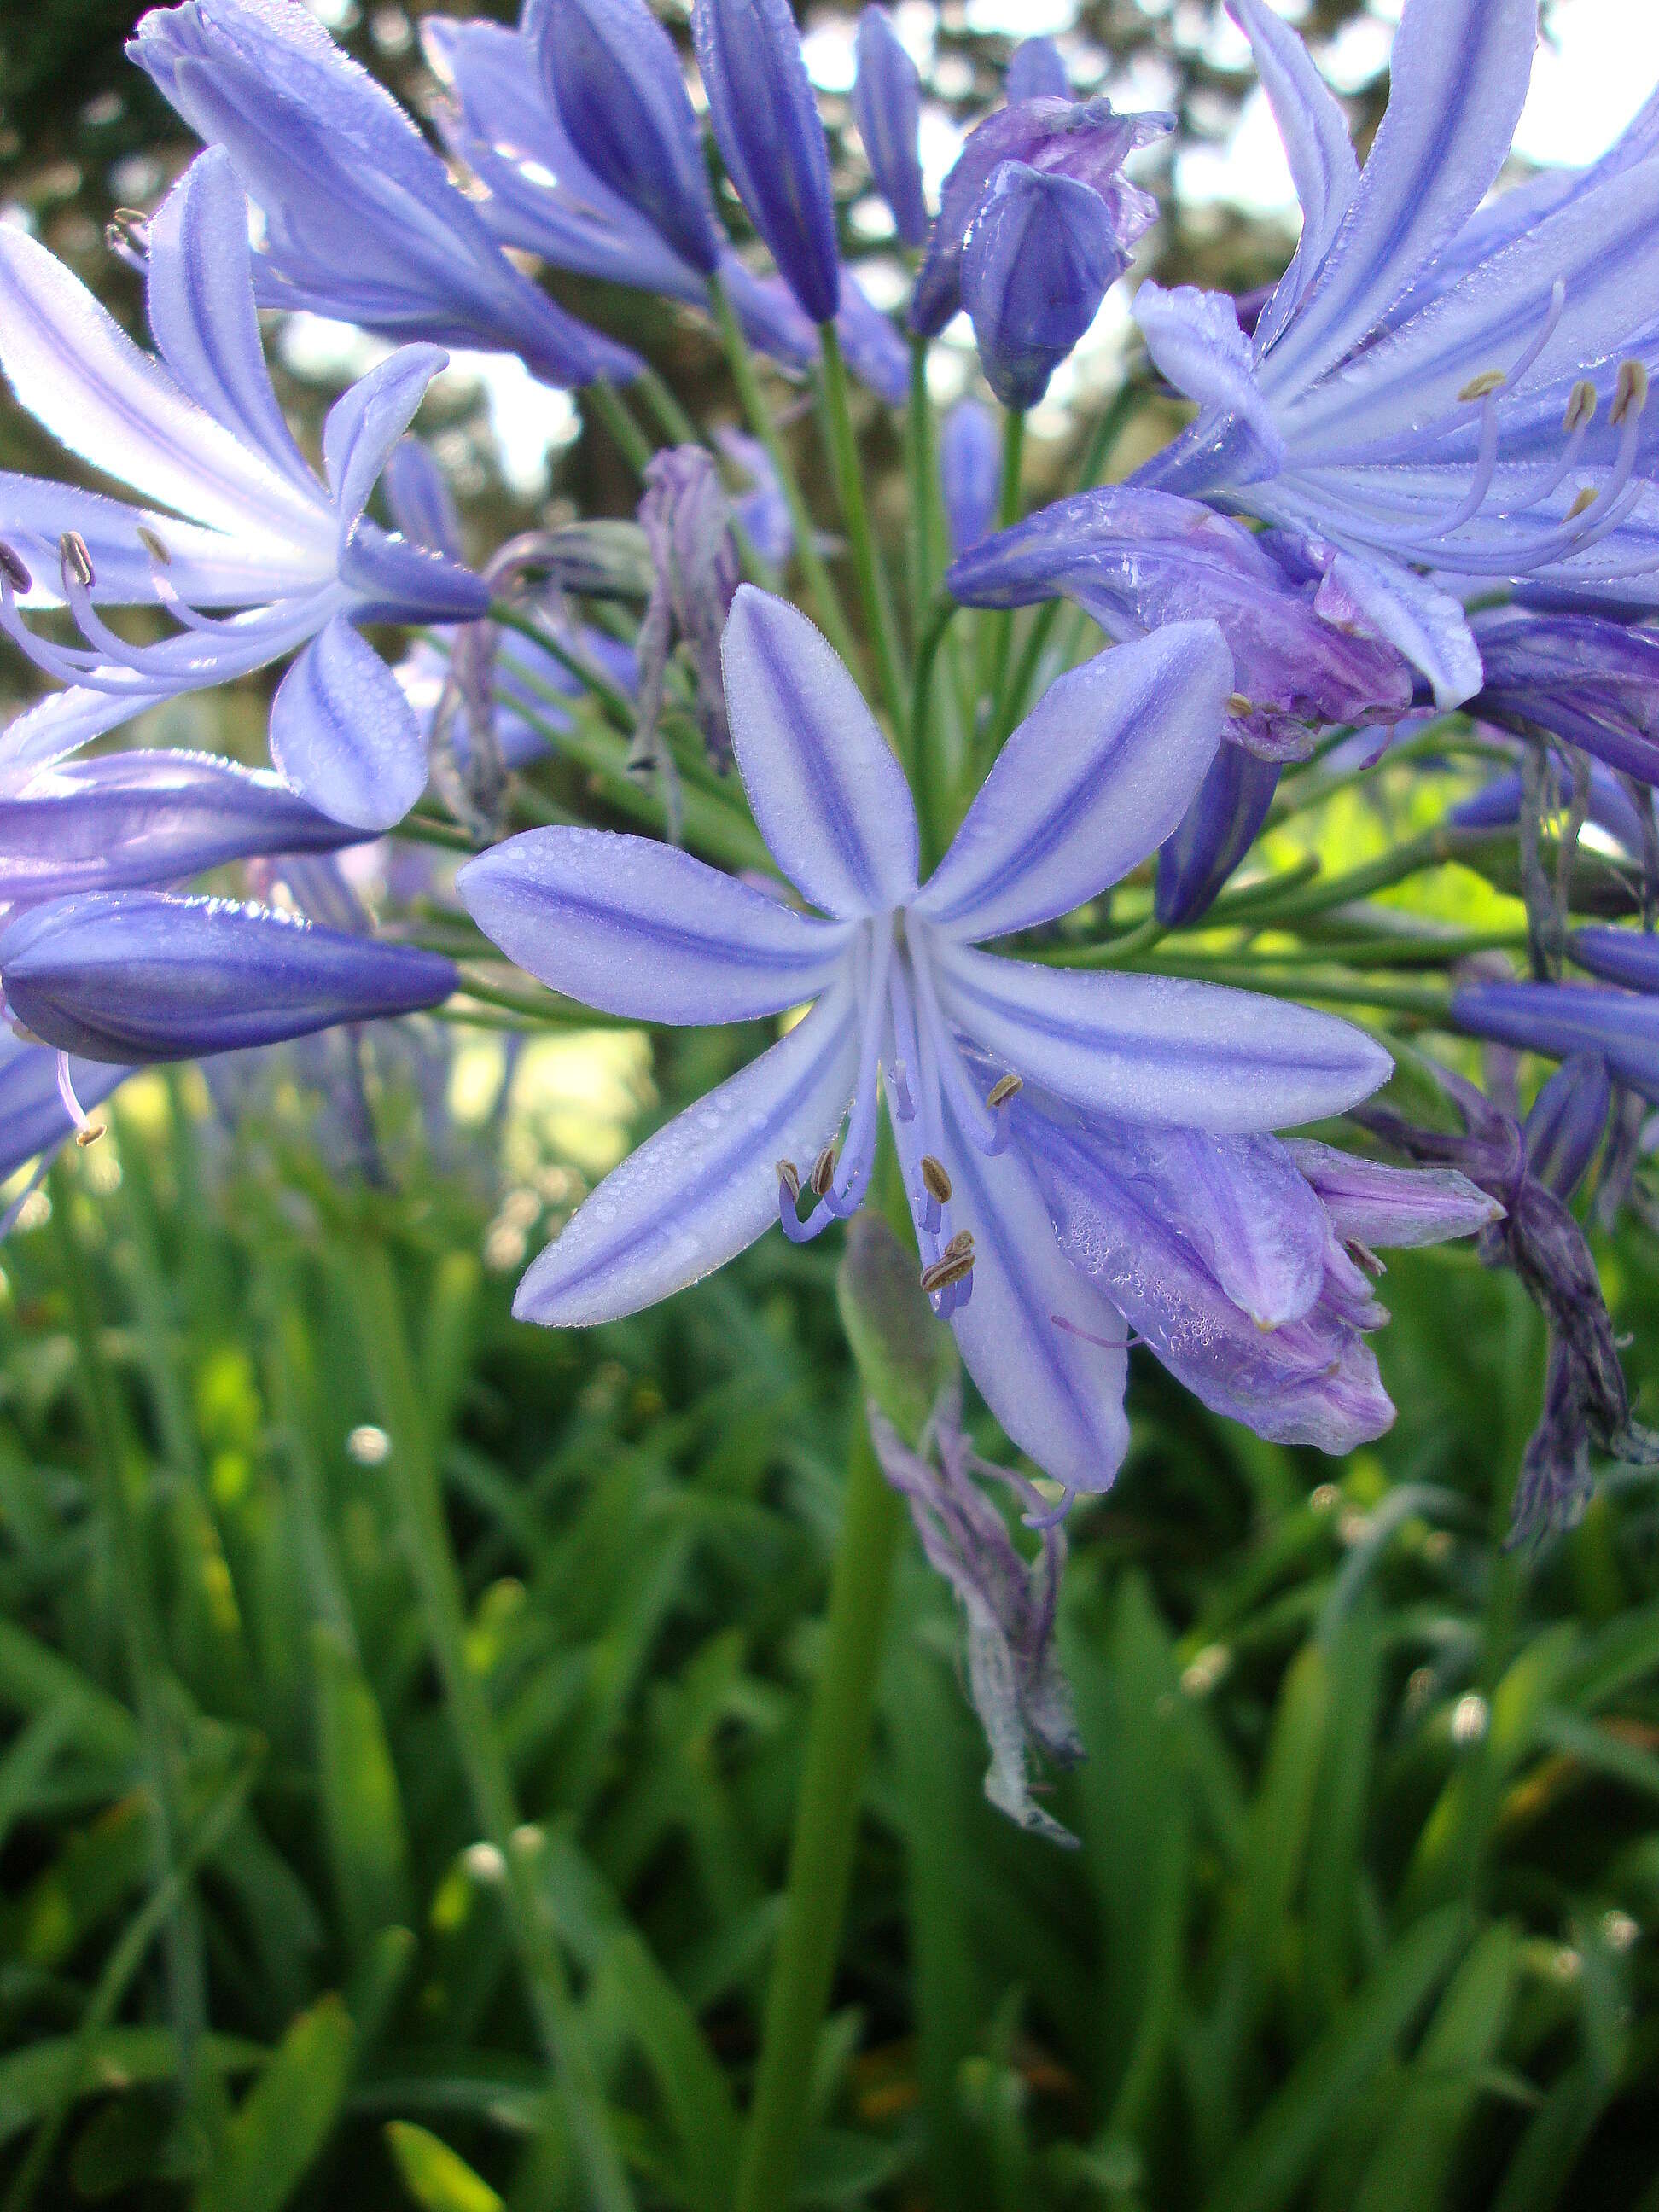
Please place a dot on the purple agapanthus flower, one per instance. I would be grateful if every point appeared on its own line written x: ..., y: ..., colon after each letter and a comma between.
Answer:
x: 1560, y: 1020
x: 1590, y: 682
x: 136, y: 975
x: 1305, y: 657
x: 1088, y: 786
x: 502, y: 121
x: 1449, y: 395
x: 361, y: 221
x: 241, y: 520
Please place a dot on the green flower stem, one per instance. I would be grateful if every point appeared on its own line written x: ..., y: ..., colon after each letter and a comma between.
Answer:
x: 1291, y: 981
x: 996, y: 626
x: 927, y: 506
x: 618, y: 707
x: 1435, y: 849
x: 412, y: 1473
x: 924, y: 762
x: 1109, y: 426
x: 867, y: 560
x: 545, y: 1008
x: 744, y: 375
x: 673, y: 420
x: 827, y: 1811
x: 612, y: 410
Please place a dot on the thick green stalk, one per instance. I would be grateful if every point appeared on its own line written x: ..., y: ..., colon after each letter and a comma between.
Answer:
x: 923, y: 753
x: 996, y: 628
x: 1433, y: 849
x: 819, y: 581
x: 673, y: 420
x: 412, y: 1473
x: 826, y: 1812
x: 867, y: 560
x: 921, y: 460
x: 612, y: 410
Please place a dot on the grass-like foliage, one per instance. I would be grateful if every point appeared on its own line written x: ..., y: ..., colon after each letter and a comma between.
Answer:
x: 402, y: 1713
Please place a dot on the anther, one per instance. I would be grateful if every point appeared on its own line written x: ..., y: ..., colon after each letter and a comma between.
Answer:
x: 954, y: 1264
x: 789, y: 1179
x: 154, y: 545
x: 1586, y: 499
x: 77, y: 562
x: 823, y: 1171
x: 1005, y: 1088
x: 87, y: 1132
x: 1631, y: 393
x: 1238, y: 704
x: 935, y: 1176
x: 13, y: 569
x: 1581, y: 406
x: 1481, y: 387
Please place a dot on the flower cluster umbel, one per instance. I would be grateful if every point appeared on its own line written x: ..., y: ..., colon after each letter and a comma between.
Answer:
x: 1418, y: 476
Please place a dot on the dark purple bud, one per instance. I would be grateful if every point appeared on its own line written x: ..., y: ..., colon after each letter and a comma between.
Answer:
x: 1213, y: 836
x: 1560, y: 1020
x: 1629, y: 956
x: 969, y: 472
x: 1037, y: 264
x: 149, y: 818
x: 766, y: 122
x: 1591, y: 682
x: 138, y: 976
x: 611, y: 71
x: 1568, y: 1120
x: 1084, y: 140
x: 887, y: 108
x: 1036, y: 71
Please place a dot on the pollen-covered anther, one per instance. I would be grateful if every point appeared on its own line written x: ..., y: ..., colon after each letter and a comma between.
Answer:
x: 1238, y: 704
x: 77, y: 560
x: 1005, y: 1088
x: 89, y: 1135
x: 823, y: 1172
x: 1581, y: 406
x: 1482, y: 387
x: 935, y: 1178
x: 789, y: 1179
x: 954, y: 1264
x: 154, y: 545
x: 12, y: 569
x: 1630, y: 394
x: 1586, y: 500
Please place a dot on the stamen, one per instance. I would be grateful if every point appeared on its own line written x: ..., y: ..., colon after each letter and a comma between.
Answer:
x: 1631, y: 391
x: 954, y: 1264
x: 1583, y: 502
x: 1238, y: 704
x: 1581, y: 406
x: 12, y: 569
x: 1482, y: 387
x: 86, y: 1130
x: 823, y: 1171
x: 154, y: 545
x: 1106, y: 1343
x: 1005, y: 1088
x: 789, y: 1179
x: 77, y: 562
x: 934, y: 1174
x: 898, y: 1083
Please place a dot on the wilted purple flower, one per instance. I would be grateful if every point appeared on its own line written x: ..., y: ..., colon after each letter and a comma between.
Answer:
x: 1084, y: 140
x: 887, y: 108
x: 1092, y: 782
x: 361, y: 219
x: 139, y: 975
x: 1434, y: 386
x: 1567, y: 1121
x: 969, y: 472
x: 545, y: 200
x: 208, y: 440
x: 615, y: 79
x: 1303, y: 658
x: 766, y: 123
x: 1592, y: 683
x: 1498, y: 805
x: 1585, y: 1399
x: 1242, y: 1262
x: 1037, y: 70
x: 1014, y: 1676
x: 687, y: 520
x: 1213, y: 836
x: 150, y: 817
x: 1039, y: 255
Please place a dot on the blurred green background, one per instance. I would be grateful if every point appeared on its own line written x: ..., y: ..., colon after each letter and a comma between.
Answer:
x: 1364, y: 1911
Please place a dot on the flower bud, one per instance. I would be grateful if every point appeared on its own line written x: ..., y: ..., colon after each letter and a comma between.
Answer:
x: 1036, y: 72
x: 969, y: 471
x: 887, y: 108
x: 1213, y: 836
x: 1568, y: 1120
x: 1037, y: 261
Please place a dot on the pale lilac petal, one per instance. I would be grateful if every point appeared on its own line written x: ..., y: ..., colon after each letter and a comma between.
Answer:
x: 342, y: 730
x: 366, y: 423
x: 645, y: 930
x: 78, y: 373
x: 1160, y: 1047
x: 1196, y: 342
x: 202, y: 311
x: 1459, y: 73
x: 829, y: 798
x: 705, y: 1186
x: 1094, y: 779
x: 1316, y: 144
x: 1377, y: 1206
x: 1047, y: 1349
x: 1425, y: 623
